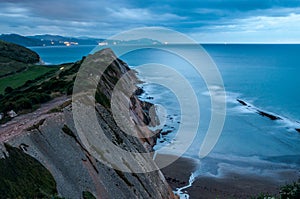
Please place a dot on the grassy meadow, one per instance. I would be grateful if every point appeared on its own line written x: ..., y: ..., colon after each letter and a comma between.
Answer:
x: 18, y: 79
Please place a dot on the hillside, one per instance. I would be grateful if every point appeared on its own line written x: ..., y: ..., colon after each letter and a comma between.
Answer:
x: 16, y: 79
x: 18, y: 65
x: 49, y: 135
x: 18, y: 53
x: 15, y: 58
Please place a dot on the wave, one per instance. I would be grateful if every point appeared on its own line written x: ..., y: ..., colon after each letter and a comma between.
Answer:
x: 223, y: 165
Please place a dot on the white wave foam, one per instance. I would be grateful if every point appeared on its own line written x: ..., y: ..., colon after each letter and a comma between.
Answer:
x: 285, y: 122
x: 224, y: 165
x: 219, y: 93
x: 181, y: 193
x: 237, y: 107
x: 275, y: 173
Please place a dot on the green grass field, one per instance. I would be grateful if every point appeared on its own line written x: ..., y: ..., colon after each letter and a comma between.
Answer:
x: 19, y: 79
x: 8, y: 66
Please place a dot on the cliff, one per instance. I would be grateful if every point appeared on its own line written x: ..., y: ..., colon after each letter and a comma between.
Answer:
x: 53, y: 140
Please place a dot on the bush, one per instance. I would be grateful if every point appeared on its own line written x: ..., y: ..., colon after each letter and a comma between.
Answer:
x: 28, y: 82
x: 8, y: 90
x: 291, y: 191
x: 23, y: 103
x: 87, y: 195
x: 7, y: 107
x: 55, y: 85
x: 69, y: 90
x: 38, y: 98
x: 102, y: 99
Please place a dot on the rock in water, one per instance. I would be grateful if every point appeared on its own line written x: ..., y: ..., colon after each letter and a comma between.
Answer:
x: 268, y: 115
x: 242, y: 102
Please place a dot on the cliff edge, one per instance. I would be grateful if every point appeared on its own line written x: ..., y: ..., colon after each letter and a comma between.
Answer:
x: 53, y: 140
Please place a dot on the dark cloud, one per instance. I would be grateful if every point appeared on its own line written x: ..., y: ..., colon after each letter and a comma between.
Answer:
x: 104, y: 18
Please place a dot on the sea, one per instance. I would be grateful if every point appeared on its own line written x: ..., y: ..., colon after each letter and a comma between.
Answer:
x: 264, y: 76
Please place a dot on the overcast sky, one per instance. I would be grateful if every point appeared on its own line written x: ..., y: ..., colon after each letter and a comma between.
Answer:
x: 203, y: 20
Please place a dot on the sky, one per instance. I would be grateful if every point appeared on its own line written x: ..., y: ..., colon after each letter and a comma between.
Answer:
x: 238, y: 21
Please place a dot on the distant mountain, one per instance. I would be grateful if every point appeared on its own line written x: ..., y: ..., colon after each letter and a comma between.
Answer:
x: 61, y: 40
x: 57, y: 40
x: 143, y: 41
x: 21, y: 40
x: 47, y: 40
x: 50, y: 37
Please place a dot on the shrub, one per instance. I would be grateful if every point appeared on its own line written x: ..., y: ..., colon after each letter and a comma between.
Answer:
x: 24, y: 177
x: 8, y: 90
x: 87, y: 195
x: 23, y: 103
x: 7, y: 107
x: 102, y: 99
x: 37, y: 98
x: 291, y: 191
x: 55, y: 85
x: 69, y: 90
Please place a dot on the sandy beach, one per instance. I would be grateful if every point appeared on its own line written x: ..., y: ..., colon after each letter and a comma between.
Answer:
x: 231, y: 185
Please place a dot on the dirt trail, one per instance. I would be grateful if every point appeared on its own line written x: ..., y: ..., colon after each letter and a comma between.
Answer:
x: 16, y: 126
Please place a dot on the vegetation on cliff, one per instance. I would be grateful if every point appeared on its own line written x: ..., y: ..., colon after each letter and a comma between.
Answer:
x: 25, y: 91
x: 76, y: 172
x: 24, y: 177
x: 289, y: 191
x: 18, y: 79
x: 18, y: 53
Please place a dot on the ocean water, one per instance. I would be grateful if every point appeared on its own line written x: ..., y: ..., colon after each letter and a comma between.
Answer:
x: 62, y: 54
x: 264, y: 76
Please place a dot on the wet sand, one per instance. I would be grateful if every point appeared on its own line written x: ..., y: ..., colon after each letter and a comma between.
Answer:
x: 178, y: 173
x: 231, y: 185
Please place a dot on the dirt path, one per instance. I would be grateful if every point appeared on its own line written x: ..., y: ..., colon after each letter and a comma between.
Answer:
x: 16, y: 126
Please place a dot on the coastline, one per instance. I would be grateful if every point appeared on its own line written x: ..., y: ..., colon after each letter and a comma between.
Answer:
x: 182, y: 176
x: 230, y: 185
x: 53, y: 139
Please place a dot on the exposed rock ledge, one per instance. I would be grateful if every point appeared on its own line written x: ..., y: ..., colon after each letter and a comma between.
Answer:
x: 55, y: 143
x: 271, y: 116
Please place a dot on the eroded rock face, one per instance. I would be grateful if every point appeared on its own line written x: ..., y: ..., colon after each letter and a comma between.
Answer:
x: 56, y: 144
